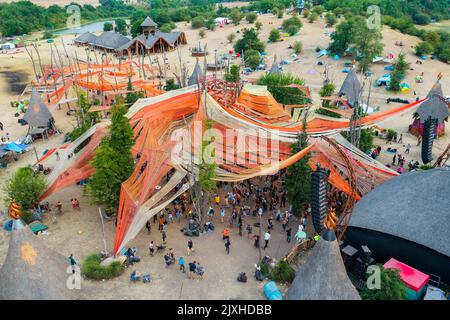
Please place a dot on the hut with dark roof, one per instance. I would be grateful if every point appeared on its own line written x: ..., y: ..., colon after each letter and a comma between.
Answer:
x: 148, y: 26
x: 32, y: 271
x: 351, y: 88
x: 196, y: 76
x: 435, y: 107
x: 323, y: 276
x: 38, y: 117
x: 84, y: 39
x: 407, y: 218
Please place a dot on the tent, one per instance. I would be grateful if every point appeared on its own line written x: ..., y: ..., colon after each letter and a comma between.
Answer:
x: 323, y: 275
x: 32, y: 271
x: 196, y: 76
x: 405, y: 88
x: 384, y: 80
x: 16, y: 147
x: 7, y: 46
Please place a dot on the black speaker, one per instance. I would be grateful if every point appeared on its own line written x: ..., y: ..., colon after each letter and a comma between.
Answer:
x: 319, y: 201
x: 429, y: 131
x: 349, y: 255
x: 365, y: 254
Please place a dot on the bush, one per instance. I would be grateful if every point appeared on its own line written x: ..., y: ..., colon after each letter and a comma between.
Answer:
x: 424, y: 48
x: 167, y: 27
x: 92, y: 269
x: 252, y: 58
x: 280, y: 14
x: 421, y: 18
x: 292, y: 30
x: 248, y: 41
x: 331, y: 19
x: 318, y: 10
x: 47, y: 35
x: 251, y: 17
x: 198, y: 22
x: 258, y: 25
x: 231, y: 37
x: 313, y: 17
x: 282, y: 272
x: 274, y: 35
x: 444, y: 55
x: 108, y: 26
x: 298, y: 46
x: 390, y: 134
x: 305, y: 14
x: 202, y: 33
x: 294, y: 21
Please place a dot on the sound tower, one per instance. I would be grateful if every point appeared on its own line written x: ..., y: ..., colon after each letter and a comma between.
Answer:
x: 319, y: 201
x: 428, y: 134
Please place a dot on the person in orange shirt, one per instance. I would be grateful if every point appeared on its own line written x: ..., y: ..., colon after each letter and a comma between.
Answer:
x: 226, y: 234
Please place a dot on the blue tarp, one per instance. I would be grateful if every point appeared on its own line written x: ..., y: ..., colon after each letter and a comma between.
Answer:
x: 271, y: 291
x: 336, y: 57
x: 424, y: 57
x: 346, y: 70
x: 322, y: 53
x: 389, y: 68
x: 12, y: 146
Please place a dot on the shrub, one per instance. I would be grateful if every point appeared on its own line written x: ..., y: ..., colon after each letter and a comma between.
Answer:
x: 424, y: 48
x: 198, y: 22
x: 390, y: 134
x: 294, y: 21
x: 231, y: 37
x: 252, y: 58
x: 313, y: 17
x: 331, y: 19
x: 167, y: 27
x: 305, y: 14
x: 280, y: 14
x: 292, y: 30
x: 258, y: 25
x: 92, y: 269
x: 251, y: 17
x: 202, y: 33
x: 282, y: 272
x: 318, y: 10
x: 274, y: 35
x: 298, y: 46
x: 47, y: 35
x: 421, y: 18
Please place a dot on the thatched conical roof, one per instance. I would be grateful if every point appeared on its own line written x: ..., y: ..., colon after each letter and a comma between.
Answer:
x: 275, y: 66
x: 32, y: 271
x: 148, y: 22
x: 323, y: 276
x: 196, y: 76
x: 351, y: 88
x: 37, y: 114
x: 434, y: 107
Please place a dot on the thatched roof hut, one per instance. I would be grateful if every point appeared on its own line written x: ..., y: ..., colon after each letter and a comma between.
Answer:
x: 37, y: 114
x: 197, y: 75
x: 323, y: 276
x: 32, y: 271
x: 351, y: 88
x: 434, y: 106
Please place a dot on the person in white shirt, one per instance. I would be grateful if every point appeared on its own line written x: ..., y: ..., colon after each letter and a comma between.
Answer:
x: 266, y: 239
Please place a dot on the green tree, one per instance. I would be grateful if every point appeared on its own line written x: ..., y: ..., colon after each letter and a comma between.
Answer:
x: 293, y: 21
x: 167, y: 27
x: 274, y: 35
x: 298, y: 177
x: 121, y: 27
x: 327, y: 90
x: 298, y: 46
x: 432, y: 37
x: 277, y: 84
x: 252, y: 58
x: 392, y: 287
x: 331, y: 19
x: 251, y: 17
x: 312, y: 17
x: 249, y: 41
x: 444, y: 55
x: 132, y: 96
x: 198, y: 22
x: 171, y: 85
x: 292, y: 30
x: 258, y: 25
x: 108, y: 26
x: 24, y: 187
x: 343, y: 36
x: 113, y: 160
x: 47, y: 35
x: 400, y: 64
x: 423, y: 48
x: 233, y: 74
x: 236, y: 16
x: 367, y: 45
x: 318, y: 10
x: 396, y: 78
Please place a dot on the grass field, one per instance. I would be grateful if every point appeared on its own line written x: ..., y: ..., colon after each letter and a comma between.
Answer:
x: 439, y: 26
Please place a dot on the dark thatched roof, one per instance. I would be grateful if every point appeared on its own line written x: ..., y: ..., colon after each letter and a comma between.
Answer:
x: 434, y: 107
x: 196, y: 76
x: 32, y: 271
x: 351, y: 88
x: 86, y: 37
x: 323, y: 276
x: 37, y: 114
x: 412, y: 206
x: 148, y: 22
x: 169, y: 37
x: 275, y: 67
x: 110, y: 40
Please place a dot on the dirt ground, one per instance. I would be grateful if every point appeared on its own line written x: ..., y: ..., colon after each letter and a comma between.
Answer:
x: 80, y: 233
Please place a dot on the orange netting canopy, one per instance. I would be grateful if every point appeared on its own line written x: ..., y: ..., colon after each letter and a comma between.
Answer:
x: 169, y: 130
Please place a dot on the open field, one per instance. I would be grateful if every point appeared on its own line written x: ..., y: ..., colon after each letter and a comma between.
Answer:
x: 80, y: 232
x: 438, y: 26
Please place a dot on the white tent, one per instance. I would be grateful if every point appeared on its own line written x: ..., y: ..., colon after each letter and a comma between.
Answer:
x: 8, y: 46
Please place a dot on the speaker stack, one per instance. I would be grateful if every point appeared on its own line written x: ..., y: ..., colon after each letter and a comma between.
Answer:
x: 429, y: 131
x: 362, y: 262
x: 319, y: 201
